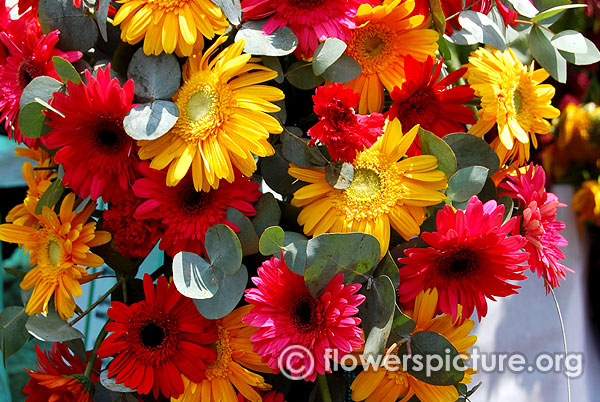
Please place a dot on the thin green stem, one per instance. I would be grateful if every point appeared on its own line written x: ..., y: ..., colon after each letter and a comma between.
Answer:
x: 324, y: 388
x: 564, y: 336
x: 93, y: 355
x: 90, y: 308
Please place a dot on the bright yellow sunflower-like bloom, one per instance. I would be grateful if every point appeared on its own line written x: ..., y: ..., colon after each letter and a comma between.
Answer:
x: 230, y: 370
x: 385, y: 190
x: 223, y: 119
x: 586, y: 202
x: 59, y: 250
x: 384, y: 36
x: 382, y: 385
x: 170, y: 25
x: 511, y: 97
x: 37, y: 182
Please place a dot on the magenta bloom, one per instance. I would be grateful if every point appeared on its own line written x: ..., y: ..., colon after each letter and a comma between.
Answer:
x: 292, y: 321
x: 538, y: 223
x: 471, y: 258
x: 312, y: 21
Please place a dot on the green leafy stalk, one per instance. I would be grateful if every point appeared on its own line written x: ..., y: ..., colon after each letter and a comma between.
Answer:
x: 324, y: 388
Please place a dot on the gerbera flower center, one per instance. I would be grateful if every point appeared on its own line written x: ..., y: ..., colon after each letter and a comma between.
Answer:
x: 306, y: 3
x: 54, y: 251
x: 110, y: 135
x: 168, y: 4
x: 200, y: 105
x: 365, y: 185
x: 517, y: 101
x: 458, y: 262
x: 152, y: 335
x: 420, y: 106
x: 192, y: 201
x: 28, y: 70
x: 306, y: 314
x: 221, y: 366
x: 371, y: 47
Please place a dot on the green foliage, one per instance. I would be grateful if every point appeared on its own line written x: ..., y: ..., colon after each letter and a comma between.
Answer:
x: 377, y: 314
x: 65, y: 71
x: 402, y: 326
x: 247, y: 234
x: 32, y: 123
x: 13, y: 334
x: 344, y: 70
x: 478, y: 28
x: 155, y: 77
x: 546, y: 14
x: 431, y: 144
x: 78, y: 30
x: 51, y: 328
x: 151, y: 120
x: 466, y: 182
x: 301, y: 75
x: 42, y: 87
x: 339, y: 175
x: 472, y: 151
x: 296, y: 150
x: 51, y: 196
x: 279, y: 43
x: 327, y: 53
x: 268, y: 213
x: 271, y: 241
x: 232, y: 10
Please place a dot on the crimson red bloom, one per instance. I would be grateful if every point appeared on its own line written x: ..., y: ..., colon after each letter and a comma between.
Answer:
x: 471, y: 259
x: 538, y: 223
x: 29, y: 55
x: 99, y: 158
x: 158, y: 339
x: 424, y: 100
x: 59, y: 377
x: 342, y: 130
x: 186, y: 213
x: 133, y: 238
x: 288, y: 315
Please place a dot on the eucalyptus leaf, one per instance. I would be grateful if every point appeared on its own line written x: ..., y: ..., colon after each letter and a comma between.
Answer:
x: 101, y: 16
x: 32, y: 122
x: 271, y: 241
x: 194, y: 277
x: 377, y: 314
x: 78, y: 30
x: 326, y: 54
x: 274, y: 170
x: 544, y: 52
x: 300, y: 75
x: 151, y: 120
x: 51, y: 328
x: 294, y: 252
x: 280, y: 42
x: 223, y: 248
x: 296, y: 150
x: 569, y: 41
x: 51, y: 196
x: 268, y: 213
x: 591, y: 54
x: 555, y: 10
x: 388, y: 267
x: 13, y: 334
x: 509, y: 204
x: 65, y: 71
x: 274, y: 64
x: 345, y: 69
x: 431, y: 144
x: 327, y: 255
x: 232, y: 10
x: 480, y: 27
x: 110, y: 383
x: 42, y: 87
x: 155, y: 77
x: 228, y: 296
x: 524, y: 7
x: 339, y: 175
x: 402, y: 326
x: 466, y: 182
x: 247, y: 234
x: 472, y: 151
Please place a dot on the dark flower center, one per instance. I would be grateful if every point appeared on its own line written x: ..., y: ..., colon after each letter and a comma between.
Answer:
x: 28, y: 70
x: 306, y: 314
x: 152, y: 335
x: 420, y: 108
x: 458, y: 263
x: 110, y: 136
x: 193, y: 201
x: 307, y: 3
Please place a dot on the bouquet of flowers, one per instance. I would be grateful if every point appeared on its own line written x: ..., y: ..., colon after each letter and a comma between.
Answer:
x: 329, y: 181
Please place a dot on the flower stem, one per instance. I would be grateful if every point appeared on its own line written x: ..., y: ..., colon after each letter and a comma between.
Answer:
x: 104, y: 296
x: 564, y: 336
x: 92, y: 359
x: 324, y: 388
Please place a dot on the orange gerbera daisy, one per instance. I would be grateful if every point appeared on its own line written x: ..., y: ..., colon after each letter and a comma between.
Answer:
x: 59, y: 251
x: 37, y: 182
x: 386, y: 34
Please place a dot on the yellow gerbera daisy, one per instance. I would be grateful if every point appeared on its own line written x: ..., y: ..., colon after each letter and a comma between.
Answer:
x: 170, y: 25
x: 37, y: 182
x: 229, y: 371
x: 511, y: 97
x: 385, y: 190
x: 57, y: 249
x: 382, y: 385
x: 586, y: 202
x: 222, y: 120
x: 385, y: 34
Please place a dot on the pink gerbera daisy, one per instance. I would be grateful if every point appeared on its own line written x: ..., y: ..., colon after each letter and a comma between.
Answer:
x: 99, y: 158
x: 312, y: 21
x: 471, y: 258
x: 29, y: 55
x: 185, y: 213
x: 339, y: 127
x: 538, y: 223
x: 289, y: 316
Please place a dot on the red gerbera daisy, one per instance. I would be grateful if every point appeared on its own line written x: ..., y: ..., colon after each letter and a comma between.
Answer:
x: 289, y: 316
x: 134, y: 238
x: 312, y: 21
x: 424, y: 100
x: 98, y: 156
x: 158, y: 339
x: 471, y: 259
x: 271, y: 396
x: 339, y: 128
x: 29, y: 55
x: 538, y: 223
x: 186, y: 213
x: 60, y: 377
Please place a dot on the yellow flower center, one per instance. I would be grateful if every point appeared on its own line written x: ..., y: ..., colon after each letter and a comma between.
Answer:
x: 51, y: 251
x: 517, y: 101
x: 204, y: 104
x: 365, y: 185
x: 372, y: 47
x: 376, y: 188
x: 54, y: 252
x: 221, y: 366
x: 167, y: 4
